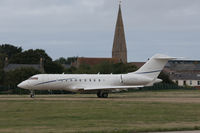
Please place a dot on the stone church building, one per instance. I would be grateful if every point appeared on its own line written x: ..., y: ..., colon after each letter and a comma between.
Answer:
x: 119, y: 50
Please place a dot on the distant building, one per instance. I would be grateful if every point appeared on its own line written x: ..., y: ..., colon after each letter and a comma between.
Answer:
x: 119, y: 49
x: 186, y: 79
x: 10, y: 67
x: 93, y: 61
x: 184, y: 72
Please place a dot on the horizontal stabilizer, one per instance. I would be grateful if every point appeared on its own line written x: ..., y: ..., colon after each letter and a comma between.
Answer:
x: 164, y: 57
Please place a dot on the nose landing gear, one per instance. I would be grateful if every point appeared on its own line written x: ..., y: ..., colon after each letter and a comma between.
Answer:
x: 102, y: 94
x: 32, y: 94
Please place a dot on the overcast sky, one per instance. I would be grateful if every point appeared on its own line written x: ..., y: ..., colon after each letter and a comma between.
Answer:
x: 65, y: 28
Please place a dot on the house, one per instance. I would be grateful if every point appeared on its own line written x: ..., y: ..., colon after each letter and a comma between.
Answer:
x: 184, y: 72
x: 10, y: 67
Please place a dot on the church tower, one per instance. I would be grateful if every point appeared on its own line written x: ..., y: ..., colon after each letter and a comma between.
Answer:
x: 119, y: 49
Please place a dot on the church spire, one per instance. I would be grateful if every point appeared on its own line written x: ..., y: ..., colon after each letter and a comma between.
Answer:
x: 119, y: 45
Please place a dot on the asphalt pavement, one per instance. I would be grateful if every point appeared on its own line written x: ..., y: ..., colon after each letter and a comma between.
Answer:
x: 179, y: 132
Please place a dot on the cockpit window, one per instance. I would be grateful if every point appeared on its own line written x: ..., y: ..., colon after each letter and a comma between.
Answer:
x: 33, y: 78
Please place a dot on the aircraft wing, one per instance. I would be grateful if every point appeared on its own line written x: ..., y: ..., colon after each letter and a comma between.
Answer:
x: 110, y: 87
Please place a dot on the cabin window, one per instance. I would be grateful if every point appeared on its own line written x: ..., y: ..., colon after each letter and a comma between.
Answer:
x: 94, y: 80
x: 33, y: 78
x: 90, y: 80
x: 190, y: 82
x: 198, y: 82
x: 75, y: 80
x: 99, y: 80
x: 85, y: 80
x: 80, y: 80
x: 71, y: 80
x: 184, y: 82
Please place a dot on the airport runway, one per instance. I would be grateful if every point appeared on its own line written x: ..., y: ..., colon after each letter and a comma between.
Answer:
x: 180, y: 132
x: 60, y: 98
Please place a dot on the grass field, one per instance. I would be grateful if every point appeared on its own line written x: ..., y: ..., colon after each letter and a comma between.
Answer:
x: 121, y: 113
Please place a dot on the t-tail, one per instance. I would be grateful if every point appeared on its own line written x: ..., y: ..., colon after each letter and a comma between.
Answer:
x: 154, y: 66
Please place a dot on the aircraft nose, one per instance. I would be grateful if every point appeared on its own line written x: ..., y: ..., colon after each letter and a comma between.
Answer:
x: 23, y: 85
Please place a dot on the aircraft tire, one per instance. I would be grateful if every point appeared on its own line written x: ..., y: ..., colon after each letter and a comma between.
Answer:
x: 32, y: 95
x: 104, y: 95
x: 99, y: 94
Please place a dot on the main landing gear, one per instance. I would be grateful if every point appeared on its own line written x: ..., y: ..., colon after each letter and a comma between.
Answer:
x: 102, y: 94
x: 32, y: 94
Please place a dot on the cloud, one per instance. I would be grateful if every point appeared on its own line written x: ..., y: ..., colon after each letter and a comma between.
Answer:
x: 89, y: 25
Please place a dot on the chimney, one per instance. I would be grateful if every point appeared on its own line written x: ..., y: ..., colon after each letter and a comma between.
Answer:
x: 41, y: 65
x: 6, y: 62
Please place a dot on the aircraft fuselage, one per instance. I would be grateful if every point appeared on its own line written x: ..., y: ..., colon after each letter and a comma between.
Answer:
x: 75, y: 82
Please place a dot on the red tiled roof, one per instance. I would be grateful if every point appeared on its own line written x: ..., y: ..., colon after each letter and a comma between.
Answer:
x: 94, y: 61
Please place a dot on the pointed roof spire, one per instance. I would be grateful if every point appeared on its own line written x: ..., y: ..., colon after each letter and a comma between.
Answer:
x: 119, y: 45
x: 120, y: 2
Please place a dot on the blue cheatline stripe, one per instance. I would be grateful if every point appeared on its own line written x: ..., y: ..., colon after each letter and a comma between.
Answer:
x: 149, y: 72
x: 46, y: 82
x: 52, y: 81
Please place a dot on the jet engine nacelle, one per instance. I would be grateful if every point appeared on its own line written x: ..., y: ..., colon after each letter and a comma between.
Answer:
x: 135, y: 79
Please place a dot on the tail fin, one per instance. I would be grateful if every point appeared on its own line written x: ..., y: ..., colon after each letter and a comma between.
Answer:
x: 154, y: 66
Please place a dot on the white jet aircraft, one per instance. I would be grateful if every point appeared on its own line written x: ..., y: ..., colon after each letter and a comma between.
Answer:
x: 100, y: 83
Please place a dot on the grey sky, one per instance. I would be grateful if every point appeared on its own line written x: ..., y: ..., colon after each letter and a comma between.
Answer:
x: 67, y: 28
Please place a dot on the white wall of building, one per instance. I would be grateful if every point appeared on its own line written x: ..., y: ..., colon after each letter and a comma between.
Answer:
x: 187, y: 82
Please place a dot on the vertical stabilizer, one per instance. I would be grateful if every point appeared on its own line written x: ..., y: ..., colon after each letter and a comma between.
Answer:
x: 154, y: 66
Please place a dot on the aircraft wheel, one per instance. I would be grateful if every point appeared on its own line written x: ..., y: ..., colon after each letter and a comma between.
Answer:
x: 99, y: 94
x: 32, y: 95
x: 105, y: 95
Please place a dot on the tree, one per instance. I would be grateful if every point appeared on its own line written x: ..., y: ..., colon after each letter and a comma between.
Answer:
x: 9, y: 50
x: 84, y: 69
x: 61, y: 60
x: 33, y: 57
x: 30, y: 57
x: 13, y: 78
x: 2, y: 60
x: 1, y: 76
x: 53, y: 67
x: 68, y: 61
x: 71, y: 70
x: 103, y: 68
x: 165, y: 78
x: 123, y: 68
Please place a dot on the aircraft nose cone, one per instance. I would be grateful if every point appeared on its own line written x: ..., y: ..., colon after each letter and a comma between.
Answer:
x: 22, y: 85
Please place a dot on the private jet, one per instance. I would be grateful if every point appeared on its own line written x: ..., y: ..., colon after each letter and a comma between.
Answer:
x: 102, y: 84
